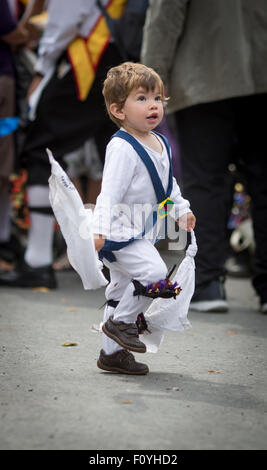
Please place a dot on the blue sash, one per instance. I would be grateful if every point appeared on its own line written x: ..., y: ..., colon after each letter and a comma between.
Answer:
x: 161, y: 195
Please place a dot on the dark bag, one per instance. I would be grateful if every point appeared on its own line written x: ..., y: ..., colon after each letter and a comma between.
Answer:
x: 127, y: 31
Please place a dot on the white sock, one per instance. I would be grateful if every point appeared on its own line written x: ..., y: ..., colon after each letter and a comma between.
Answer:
x: 39, y: 251
x: 38, y: 196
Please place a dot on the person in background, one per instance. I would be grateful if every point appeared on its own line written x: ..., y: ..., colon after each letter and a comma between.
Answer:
x: 12, y: 34
x: 66, y: 108
x: 212, y: 55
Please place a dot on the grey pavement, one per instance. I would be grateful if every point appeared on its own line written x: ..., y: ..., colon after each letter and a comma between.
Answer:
x: 206, y: 388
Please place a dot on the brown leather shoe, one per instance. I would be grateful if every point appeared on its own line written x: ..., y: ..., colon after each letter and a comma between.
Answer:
x: 122, y: 362
x: 125, y: 334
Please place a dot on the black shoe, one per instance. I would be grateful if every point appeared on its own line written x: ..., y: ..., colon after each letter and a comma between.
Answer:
x: 122, y: 362
x: 125, y: 334
x: 211, y: 298
x: 11, y: 250
x: 26, y: 276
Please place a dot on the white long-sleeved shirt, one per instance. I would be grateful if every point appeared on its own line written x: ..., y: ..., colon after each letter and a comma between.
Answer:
x: 67, y: 20
x: 127, y: 194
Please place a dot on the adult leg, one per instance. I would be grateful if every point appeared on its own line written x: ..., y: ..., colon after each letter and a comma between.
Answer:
x: 35, y: 270
x: 39, y: 251
x: 7, y: 107
x: 252, y: 141
x: 5, y: 212
x: 207, y: 145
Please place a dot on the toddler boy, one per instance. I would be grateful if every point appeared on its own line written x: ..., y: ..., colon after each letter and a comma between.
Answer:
x: 137, y: 175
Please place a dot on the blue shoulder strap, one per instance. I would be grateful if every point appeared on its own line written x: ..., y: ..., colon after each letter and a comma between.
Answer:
x: 167, y: 145
x: 156, y: 181
x: 110, y: 245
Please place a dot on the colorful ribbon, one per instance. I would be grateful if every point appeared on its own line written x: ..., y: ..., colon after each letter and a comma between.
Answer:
x: 165, y: 207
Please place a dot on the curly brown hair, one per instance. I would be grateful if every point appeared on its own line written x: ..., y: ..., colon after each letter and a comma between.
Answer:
x: 122, y: 79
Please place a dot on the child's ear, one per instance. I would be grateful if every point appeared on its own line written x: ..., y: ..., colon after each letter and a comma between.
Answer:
x: 117, y: 111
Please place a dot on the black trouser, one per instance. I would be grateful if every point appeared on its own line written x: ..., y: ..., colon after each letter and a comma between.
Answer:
x: 211, y: 136
x: 63, y: 123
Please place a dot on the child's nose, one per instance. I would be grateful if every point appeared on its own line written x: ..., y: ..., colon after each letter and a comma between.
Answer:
x: 153, y: 103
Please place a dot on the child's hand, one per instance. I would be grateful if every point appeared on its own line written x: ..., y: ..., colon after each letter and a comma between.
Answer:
x: 99, y: 241
x: 187, y: 221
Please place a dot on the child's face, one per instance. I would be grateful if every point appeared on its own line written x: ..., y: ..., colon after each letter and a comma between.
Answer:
x: 142, y: 110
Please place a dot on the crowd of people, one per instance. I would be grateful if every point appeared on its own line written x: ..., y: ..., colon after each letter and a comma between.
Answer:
x: 211, y: 58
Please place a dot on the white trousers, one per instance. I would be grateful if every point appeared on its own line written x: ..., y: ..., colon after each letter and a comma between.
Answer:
x: 141, y: 261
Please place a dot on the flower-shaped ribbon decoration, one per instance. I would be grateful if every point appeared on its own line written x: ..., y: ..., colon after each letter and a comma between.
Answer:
x: 163, y: 288
x: 165, y: 207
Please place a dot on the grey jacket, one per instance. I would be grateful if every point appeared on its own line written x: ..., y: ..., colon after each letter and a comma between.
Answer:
x: 207, y: 50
